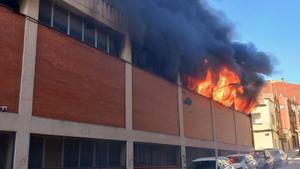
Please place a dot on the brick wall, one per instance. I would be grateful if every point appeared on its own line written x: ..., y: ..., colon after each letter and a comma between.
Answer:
x: 76, y: 82
x: 11, y: 39
x: 155, y: 104
x: 197, y: 117
x: 224, y: 120
x: 243, y: 129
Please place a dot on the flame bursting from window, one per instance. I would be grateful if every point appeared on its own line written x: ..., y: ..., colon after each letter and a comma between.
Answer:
x: 224, y: 87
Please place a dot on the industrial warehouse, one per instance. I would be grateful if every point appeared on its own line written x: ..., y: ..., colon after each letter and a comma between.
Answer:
x: 71, y: 96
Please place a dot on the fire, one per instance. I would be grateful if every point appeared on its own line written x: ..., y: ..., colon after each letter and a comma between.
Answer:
x: 224, y: 87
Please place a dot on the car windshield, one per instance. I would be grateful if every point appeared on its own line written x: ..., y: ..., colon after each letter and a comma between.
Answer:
x: 203, y: 165
x: 236, y: 159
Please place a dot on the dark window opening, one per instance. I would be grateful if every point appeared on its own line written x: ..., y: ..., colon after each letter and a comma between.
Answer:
x: 60, y: 19
x: 226, y: 152
x: 87, y: 153
x: 6, y: 150
x: 115, y: 151
x: 76, y: 27
x: 115, y: 44
x: 14, y: 4
x: 36, y: 152
x: 102, y: 40
x: 89, y: 32
x: 45, y: 12
x: 101, y: 154
x: 156, y: 155
x: 53, y: 154
x: 71, y: 153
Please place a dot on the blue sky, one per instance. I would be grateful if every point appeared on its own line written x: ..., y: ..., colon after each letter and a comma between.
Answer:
x: 272, y: 25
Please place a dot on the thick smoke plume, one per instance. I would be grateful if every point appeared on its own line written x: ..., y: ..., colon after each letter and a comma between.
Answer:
x: 172, y: 37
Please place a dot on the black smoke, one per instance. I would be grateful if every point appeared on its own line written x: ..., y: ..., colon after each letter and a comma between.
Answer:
x: 172, y: 37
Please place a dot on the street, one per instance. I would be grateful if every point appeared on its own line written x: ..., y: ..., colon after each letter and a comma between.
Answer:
x: 293, y: 163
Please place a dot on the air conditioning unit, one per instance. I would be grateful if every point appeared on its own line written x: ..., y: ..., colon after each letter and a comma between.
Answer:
x: 3, y: 108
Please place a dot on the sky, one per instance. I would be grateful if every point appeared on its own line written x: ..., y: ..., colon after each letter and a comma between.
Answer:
x: 272, y: 25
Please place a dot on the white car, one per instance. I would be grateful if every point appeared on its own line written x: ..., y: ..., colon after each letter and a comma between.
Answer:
x: 243, y: 161
x: 211, y: 163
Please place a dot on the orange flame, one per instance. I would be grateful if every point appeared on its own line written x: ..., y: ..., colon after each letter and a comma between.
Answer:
x: 223, y: 87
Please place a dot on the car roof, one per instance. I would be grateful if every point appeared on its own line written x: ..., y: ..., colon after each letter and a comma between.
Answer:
x: 205, y: 159
x: 208, y: 159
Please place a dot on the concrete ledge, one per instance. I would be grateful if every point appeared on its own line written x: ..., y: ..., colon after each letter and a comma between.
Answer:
x: 39, y: 125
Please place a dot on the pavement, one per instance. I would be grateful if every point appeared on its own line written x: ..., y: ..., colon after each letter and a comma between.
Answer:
x: 294, y: 160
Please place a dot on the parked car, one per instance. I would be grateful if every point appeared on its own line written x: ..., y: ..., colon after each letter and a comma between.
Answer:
x: 264, y: 159
x: 211, y: 163
x: 279, y: 156
x: 243, y: 161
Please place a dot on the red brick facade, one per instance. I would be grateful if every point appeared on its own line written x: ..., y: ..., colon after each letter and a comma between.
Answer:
x: 224, y: 120
x: 197, y: 117
x: 243, y: 129
x: 76, y: 82
x: 155, y: 104
x: 292, y: 91
x: 11, y: 38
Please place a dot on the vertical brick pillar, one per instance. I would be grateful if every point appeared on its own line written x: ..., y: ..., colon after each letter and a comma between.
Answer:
x: 29, y: 8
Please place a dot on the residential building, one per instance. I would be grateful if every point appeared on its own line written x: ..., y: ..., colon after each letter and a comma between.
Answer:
x: 72, y: 99
x: 266, y: 122
x: 290, y: 123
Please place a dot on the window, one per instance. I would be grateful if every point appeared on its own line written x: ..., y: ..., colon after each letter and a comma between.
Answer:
x: 156, y: 155
x: 102, y: 40
x: 71, y: 153
x: 87, y: 153
x: 85, y: 30
x: 76, y: 27
x: 142, y: 155
x: 53, y: 153
x: 45, y: 12
x: 115, y: 151
x: 256, y: 118
x: 89, y: 32
x: 14, y: 4
x: 57, y: 152
x: 113, y: 46
x: 6, y: 150
x: 60, y: 19
x: 108, y: 154
x: 36, y: 152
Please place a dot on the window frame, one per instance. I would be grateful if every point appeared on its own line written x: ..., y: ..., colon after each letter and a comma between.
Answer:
x: 97, y: 26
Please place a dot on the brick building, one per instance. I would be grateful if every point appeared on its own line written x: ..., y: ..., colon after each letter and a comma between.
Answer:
x: 276, y: 118
x: 74, y: 100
